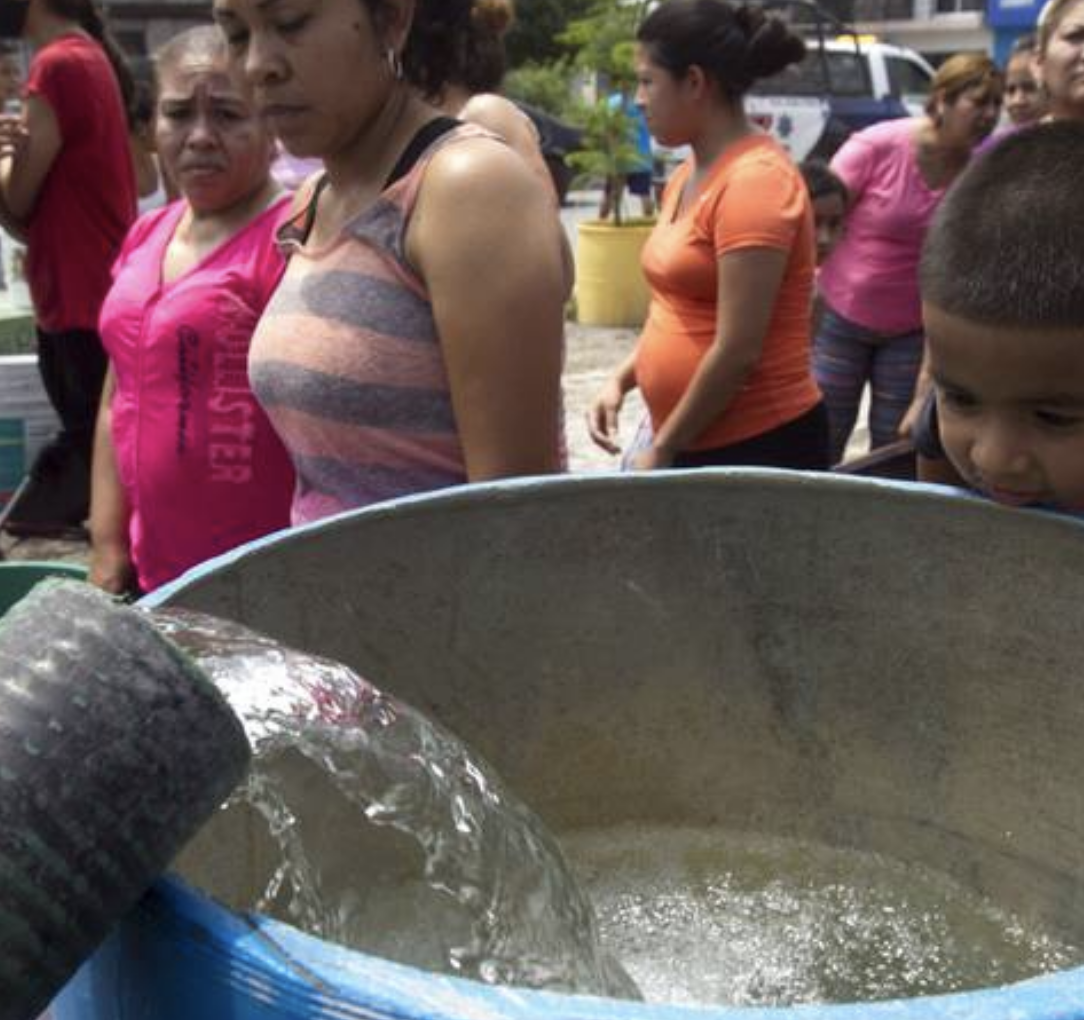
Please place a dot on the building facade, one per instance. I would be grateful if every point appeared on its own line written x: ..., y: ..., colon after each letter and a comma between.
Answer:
x: 936, y: 28
x: 141, y: 26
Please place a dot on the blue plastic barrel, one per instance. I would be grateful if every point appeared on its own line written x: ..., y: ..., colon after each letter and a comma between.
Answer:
x: 864, y: 663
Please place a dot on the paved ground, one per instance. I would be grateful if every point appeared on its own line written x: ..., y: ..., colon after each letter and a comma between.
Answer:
x: 593, y: 352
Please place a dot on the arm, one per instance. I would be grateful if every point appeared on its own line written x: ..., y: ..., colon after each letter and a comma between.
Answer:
x: 110, y: 559
x: 854, y: 163
x: 487, y: 241
x: 29, y: 151
x: 508, y: 121
x: 923, y: 388
x: 602, y: 417
x: 749, y: 281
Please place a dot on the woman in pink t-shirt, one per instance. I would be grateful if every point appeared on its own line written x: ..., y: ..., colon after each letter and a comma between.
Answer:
x: 896, y: 173
x: 186, y: 464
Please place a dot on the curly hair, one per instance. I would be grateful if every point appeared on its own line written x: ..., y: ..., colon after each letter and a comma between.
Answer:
x: 480, y: 54
x: 430, y: 58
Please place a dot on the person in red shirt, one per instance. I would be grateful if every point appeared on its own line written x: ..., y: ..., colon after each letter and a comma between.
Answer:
x: 67, y: 186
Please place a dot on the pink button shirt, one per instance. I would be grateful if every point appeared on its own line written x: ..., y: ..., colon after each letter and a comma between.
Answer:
x: 872, y: 276
x: 201, y: 466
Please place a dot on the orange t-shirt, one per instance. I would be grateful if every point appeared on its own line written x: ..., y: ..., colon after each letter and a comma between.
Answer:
x: 753, y: 197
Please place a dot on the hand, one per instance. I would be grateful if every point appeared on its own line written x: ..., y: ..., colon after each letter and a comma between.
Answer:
x: 13, y: 136
x: 654, y: 458
x: 111, y: 569
x: 602, y: 418
x: 914, y: 411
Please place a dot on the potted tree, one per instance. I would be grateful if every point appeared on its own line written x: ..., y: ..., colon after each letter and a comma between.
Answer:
x: 610, y: 286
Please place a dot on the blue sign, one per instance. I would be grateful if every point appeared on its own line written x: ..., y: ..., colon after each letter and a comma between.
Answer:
x: 1022, y: 14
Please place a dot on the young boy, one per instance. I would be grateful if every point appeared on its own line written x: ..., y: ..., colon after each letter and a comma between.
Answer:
x: 1002, y: 281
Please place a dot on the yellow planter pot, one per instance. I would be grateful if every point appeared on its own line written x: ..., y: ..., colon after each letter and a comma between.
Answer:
x: 610, y: 286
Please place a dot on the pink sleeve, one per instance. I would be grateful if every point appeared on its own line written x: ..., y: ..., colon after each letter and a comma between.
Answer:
x: 854, y: 164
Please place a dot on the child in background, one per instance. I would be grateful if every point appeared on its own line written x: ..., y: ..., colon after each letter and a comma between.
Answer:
x: 828, y: 194
x: 1003, y: 302
x: 1024, y: 99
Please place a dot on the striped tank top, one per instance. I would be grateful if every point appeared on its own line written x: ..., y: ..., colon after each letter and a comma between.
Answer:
x: 347, y: 361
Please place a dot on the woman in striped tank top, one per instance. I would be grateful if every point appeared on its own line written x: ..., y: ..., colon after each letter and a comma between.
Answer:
x: 415, y: 340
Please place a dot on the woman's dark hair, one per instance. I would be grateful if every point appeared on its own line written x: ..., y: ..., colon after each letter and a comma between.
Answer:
x: 429, y: 58
x: 89, y: 18
x: 480, y: 56
x: 733, y: 45
x: 821, y: 181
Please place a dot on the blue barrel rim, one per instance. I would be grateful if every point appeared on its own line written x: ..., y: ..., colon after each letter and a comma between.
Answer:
x: 272, y: 950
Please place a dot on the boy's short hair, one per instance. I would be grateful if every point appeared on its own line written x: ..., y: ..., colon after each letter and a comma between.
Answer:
x: 1004, y: 248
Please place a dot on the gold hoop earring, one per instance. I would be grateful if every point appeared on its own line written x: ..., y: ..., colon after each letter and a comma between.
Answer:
x: 395, y: 64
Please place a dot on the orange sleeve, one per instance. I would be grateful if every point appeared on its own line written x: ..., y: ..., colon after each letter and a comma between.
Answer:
x: 759, y: 205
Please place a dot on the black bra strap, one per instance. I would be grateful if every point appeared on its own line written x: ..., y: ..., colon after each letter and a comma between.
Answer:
x: 310, y: 211
x: 426, y: 135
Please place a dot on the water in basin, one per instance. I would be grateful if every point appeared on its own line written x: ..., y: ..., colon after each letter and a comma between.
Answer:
x: 707, y: 916
x: 695, y: 915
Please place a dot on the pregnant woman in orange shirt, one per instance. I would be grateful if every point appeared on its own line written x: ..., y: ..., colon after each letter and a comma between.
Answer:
x: 724, y: 359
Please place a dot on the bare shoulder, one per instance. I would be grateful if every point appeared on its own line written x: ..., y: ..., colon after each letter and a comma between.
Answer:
x: 499, y: 115
x: 480, y: 197
x: 477, y: 169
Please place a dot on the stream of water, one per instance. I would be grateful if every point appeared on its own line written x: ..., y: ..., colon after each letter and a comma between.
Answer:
x: 493, y: 897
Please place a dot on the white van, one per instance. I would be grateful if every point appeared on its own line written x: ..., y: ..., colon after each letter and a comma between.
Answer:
x: 842, y: 85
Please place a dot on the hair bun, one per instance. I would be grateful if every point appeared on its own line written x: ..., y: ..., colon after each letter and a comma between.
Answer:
x: 771, y: 46
x: 493, y: 16
x: 749, y: 19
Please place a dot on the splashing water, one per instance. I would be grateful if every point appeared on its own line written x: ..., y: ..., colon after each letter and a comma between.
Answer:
x: 506, y: 907
x: 703, y: 916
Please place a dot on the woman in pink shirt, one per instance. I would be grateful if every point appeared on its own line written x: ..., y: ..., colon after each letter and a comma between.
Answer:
x: 896, y: 173
x: 186, y: 464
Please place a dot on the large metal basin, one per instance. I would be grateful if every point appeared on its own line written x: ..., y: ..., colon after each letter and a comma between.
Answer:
x: 865, y: 664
